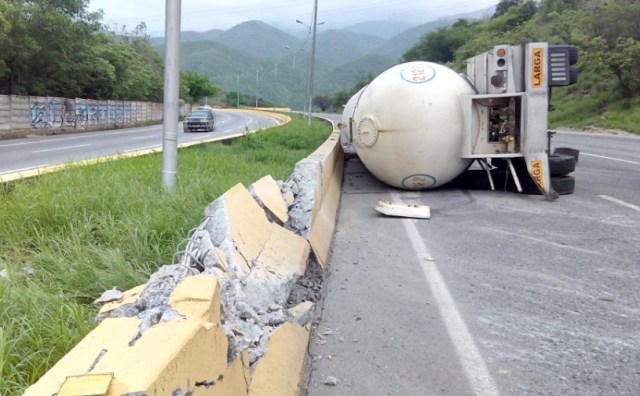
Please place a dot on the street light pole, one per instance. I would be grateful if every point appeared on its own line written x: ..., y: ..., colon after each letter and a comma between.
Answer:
x: 275, y: 72
x: 313, y: 57
x: 238, y: 91
x: 171, y: 95
x: 294, y: 52
x: 257, y: 86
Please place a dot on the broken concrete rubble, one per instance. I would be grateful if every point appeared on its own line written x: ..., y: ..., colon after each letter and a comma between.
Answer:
x: 303, y: 183
x: 257, y: 264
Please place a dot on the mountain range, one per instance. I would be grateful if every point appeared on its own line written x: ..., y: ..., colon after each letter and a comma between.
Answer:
x: 260, y: 60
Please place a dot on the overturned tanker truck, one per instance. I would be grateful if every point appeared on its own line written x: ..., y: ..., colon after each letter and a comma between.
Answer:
x: 420, y: 125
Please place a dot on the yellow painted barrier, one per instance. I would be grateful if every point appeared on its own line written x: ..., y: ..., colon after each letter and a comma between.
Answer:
x: 188, y: 353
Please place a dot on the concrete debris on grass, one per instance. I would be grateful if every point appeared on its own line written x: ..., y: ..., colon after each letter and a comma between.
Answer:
x: 109, y: 296
x: 255, y: 298
x: 26, y: 273
x: 303, y: 185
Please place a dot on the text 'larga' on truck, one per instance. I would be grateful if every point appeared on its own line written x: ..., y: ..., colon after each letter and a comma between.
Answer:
x: 420, y: 125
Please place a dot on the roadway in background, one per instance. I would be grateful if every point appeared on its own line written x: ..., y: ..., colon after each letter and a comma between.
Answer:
x: 20, y: 155
x: 498, y: 294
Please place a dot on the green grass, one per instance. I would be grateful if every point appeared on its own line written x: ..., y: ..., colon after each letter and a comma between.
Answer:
x: 594, y: 102
x: 87, y: 229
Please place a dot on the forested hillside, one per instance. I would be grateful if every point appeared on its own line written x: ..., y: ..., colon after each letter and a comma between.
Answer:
x: 607, y: 33
x: 57, y: 48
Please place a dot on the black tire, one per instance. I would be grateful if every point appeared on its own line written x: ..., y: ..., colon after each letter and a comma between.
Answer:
x: 568, y: 151
x: 561, y: 164
x: 563, y: 185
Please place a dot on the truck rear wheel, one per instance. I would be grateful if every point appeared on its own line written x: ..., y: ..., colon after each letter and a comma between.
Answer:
x: 563, y: 185
x: 559, y: 164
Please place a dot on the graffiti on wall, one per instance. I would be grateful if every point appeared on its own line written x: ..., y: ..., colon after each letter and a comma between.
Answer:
x: 68, y: 113
x: 18, y: 113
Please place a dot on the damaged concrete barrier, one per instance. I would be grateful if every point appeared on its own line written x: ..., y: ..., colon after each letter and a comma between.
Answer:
x: 232, y: 316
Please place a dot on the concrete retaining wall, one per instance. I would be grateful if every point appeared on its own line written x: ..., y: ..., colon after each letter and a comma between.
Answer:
x: 219, y: 322
x: 21, y: 115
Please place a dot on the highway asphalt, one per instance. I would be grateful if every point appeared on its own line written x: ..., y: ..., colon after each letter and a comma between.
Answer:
x: 36, y: 152
x: 497, y: 294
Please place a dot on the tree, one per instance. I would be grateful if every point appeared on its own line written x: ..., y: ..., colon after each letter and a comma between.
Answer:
x: 5, y: 28
x: 340, y: 100
x: 504, y: 5
x: 441, y: 45
x: 198, y: 86
x: 323, y: 102
x: 57, y: 48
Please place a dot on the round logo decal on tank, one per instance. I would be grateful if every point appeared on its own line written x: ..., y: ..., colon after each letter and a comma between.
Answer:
x: 419, y: 182
x: 417, y: 73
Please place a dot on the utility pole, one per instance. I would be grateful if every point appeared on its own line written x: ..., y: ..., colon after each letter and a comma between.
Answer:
x: 238, y: 91
x: 312, y: 57
x: 275, y: 70
x: 171, y: 94
x: 257, y: 86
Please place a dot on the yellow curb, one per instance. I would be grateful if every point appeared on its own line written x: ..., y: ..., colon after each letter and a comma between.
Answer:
x: 326, y: 210
x: 168, y: 357
x: 277, y: 113
x: 269, y: 193
x: 250, y: 228
x: 279, y: 372
x: 109, y: 335
x: 285, y: 252
x: 197, y: 298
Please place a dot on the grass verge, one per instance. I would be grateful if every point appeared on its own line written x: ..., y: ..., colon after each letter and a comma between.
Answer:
x: 68, y: 236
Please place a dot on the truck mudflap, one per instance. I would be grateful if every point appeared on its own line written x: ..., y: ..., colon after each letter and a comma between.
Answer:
x: 538, y: 167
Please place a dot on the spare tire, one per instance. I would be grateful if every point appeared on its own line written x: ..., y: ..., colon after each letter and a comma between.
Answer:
x: 561, y: 164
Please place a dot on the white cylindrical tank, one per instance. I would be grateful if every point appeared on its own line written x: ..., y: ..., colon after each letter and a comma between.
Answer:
x: 408, y: 125
x: 346, y: 124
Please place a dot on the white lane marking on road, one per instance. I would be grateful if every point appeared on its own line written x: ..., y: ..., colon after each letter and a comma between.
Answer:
x: 474, y: 366
x: 24, y: 169
x: 143, y: 137
x: 61, y: 148
x: 17, y: 144
x: 620, y: 202
x: 141, y: 148
x: 531, y: 238
x: 611, y: 158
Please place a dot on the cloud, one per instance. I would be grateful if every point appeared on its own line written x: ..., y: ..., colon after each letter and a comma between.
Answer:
x: 201, y: 15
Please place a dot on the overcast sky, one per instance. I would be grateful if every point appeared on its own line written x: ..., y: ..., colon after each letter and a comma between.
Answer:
x: 202, y: 15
